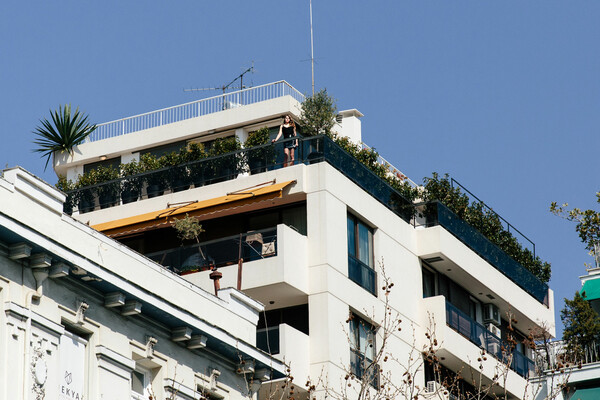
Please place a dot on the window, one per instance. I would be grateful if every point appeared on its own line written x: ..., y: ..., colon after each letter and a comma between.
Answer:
x: 362, y: 350
x: 140, y: 383
x: 360, y: 254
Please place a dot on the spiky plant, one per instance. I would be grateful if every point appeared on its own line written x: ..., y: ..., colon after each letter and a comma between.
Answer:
x: 62, y: 133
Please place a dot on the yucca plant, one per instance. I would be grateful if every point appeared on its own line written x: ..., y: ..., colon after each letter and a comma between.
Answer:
x: 62, y: 133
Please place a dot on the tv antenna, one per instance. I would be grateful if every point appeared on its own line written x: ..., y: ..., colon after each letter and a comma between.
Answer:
x: 228, y: 86
x: 312, y: 54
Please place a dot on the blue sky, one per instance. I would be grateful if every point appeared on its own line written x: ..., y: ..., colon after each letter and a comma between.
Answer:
x: 504, y: 96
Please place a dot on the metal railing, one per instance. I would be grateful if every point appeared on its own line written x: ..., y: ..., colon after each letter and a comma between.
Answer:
x: 508, y: 224
x: 483, y: 338
x: 393, y: 171
x: 362, y: 274
x: 194, y: 109
x: 558, y: 353
x: 437, y: 213
x: 254, y: 245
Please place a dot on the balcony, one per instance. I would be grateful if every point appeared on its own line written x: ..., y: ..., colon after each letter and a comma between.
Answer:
x: 362, y: 274
x: 461, y: 341
x: 231, y: 165
x: 288, y: 345
x: 483, y: 338
x: 218, y: 253
x: 558, y: 354
x: 438, y: 214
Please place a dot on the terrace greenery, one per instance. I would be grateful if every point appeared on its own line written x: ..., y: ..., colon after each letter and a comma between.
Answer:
x: 314, y: 112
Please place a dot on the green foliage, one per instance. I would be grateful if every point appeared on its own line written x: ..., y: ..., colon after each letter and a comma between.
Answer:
x: 65, y: 131
x: 196, y: 151
x: 257, y: 138
x: 188, y: 228
x: 318, y: 114
x: 64, y: 185
x: 582, y: 325
x: 588, y: 223
x: 485, y: 221
x: 225, y: 145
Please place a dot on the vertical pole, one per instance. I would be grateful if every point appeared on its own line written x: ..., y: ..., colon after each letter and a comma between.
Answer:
x: 312, y: 56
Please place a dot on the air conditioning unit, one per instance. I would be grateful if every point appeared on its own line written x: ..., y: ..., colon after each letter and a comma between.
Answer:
x: 494, y: 329
x: 433, y: 390
x: 491, y: 314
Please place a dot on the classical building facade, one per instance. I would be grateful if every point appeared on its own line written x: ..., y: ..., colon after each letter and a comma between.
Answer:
x: 84, y: 317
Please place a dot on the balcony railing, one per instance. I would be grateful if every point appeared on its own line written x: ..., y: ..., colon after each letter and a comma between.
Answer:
x: 229, y: 166
x: 483, y: 338
x: 250, y: 246
x: 362, y: 274
x: 557, y: 354
x: 194, y: 109
x: 438, y: 214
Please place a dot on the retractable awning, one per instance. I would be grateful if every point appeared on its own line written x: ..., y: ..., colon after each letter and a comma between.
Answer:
x: 586, y: 394
x: 165, y: 217
x: 591, y: 290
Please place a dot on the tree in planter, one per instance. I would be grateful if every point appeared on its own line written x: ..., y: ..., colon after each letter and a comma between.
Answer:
x: 85, y: 195
x: 582, y: 327
x: 189, y: 228
x: 227, y: 161
x: 67, y: 187
x: 131, y: 185
x: 65, y: 131
x: 108, y: 185
x: 263, y: 156
x: 154, y: 176
x: 318, y: 114
x: 177, y: 173
x: 195, y: 154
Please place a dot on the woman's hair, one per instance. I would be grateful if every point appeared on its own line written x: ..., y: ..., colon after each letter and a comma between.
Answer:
x: 292, y: 124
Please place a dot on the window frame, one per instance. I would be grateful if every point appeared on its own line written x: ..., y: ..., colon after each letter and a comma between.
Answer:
x: 361, y: 269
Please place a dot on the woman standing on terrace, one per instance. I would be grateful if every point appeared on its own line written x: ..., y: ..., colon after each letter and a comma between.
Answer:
x: 288, y: 129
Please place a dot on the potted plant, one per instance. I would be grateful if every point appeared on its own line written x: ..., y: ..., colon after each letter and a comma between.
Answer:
x: 195, y: 154
x: 189, y: 228
x: 67, y: 187
x: 154, y: 177
x: 226, y: 162
x: 261, y: 157
x: 317, y: 118
x: 86, y: 200
x: 177, y: 173
x: 108, y: 185
x: 63, y: 133
x: 131, y: 185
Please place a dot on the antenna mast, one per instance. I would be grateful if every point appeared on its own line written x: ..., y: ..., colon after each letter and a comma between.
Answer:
x: 312, y: 56
x: 228, y: 86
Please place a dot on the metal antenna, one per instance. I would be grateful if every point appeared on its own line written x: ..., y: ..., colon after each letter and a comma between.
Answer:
x: 224, y: 88
x: 312, y: 54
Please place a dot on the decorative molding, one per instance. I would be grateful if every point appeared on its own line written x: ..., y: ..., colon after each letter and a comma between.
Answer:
x: 114, y: 362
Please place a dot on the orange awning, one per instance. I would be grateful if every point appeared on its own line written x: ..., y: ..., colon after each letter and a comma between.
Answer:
x: 165, y: 217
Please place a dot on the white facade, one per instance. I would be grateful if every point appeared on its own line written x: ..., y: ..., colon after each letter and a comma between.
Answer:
x: 84, y: 317
x: 310, y: 271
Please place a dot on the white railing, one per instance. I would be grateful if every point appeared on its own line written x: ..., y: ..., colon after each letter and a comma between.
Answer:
x: 391, y: 169
x: 194, y: 109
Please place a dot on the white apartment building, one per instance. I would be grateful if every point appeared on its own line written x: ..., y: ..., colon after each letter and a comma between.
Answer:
x: 310, y: 242
x: 84, y: 317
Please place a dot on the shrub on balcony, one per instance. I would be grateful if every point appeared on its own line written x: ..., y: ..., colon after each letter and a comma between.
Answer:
x: 108, y: 186
x: 230, y: 162
x: 155, y: 178
x: 177, y: 173
x: 67, y: 187
x: 485, y: 221
x: 259, y: 158
x: 85, y: 197
x: 131, y: 185
x: 195, y: 153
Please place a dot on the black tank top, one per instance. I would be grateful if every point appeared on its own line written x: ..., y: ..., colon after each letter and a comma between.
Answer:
x: 288, y: 132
